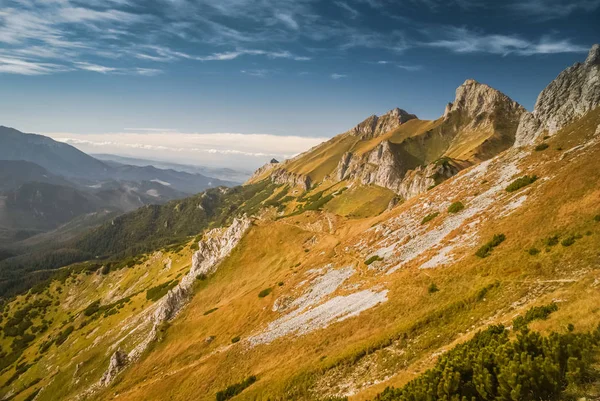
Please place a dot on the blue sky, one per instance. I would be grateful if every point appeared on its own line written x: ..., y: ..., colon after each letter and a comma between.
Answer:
x: 274, y: 68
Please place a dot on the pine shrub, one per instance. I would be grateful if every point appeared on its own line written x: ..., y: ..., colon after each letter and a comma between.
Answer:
x: 429, y: 217
x: 521, y: 182
x: 456, y: 207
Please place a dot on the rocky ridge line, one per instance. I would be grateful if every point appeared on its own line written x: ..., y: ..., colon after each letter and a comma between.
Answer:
x: 573, y: 93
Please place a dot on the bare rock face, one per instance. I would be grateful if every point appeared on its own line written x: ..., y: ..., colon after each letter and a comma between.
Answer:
x: 272, y: 165
x: 572, y: 94
x: 118, y: 362
x: 384, y: 167
x: 375, y: 126
x: 282, y: 176
x: 474, y: 98
x: 484, y: 121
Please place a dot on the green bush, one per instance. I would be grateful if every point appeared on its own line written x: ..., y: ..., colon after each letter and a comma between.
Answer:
x: 63, y: 335
x: 597, y: 218
x: 456, y: 207
x: 235, y: 389
x: 432, y: 288
x: 373, y: 259
x: 533, y: 251
x: 570, y: 240
x: 491, y: 367
x: 429, y: 217
x: 521, y: 182
x: 551, y: 241
x: 487, y: 248
x: 156, y: 293
x: 92, y: 308
x: 265, y: 292
x: 535, y: 313
x: 208, y: 312
x: 541, y: 146
x: 235, y: 339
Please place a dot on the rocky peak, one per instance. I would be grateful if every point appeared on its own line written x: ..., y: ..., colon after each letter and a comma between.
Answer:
x: 378, y: 125
x: 593, y: 57
x: 274, y: 161
x: 473, y: 98
x: 572, y: 94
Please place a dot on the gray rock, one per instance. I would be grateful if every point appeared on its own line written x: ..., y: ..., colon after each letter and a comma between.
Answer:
x: 572, y: 94
x: 118, y: 362
x: 282, y: 176
x: 375, y: 126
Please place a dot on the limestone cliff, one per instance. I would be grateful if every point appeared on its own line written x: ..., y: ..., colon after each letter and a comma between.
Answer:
x: 379, y: 125
x: 480, y: 123
x: 572, y: 94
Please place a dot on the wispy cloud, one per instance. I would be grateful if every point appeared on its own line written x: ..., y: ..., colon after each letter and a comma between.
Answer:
x: 260, y: 73
x: 95, y: 67
x: 249, y: 52
x: 148, y: 72
x: 337, y: 76
x: 463, y: 40
x: 345, y: 6
x: 11, y: 65
x: 552, y: 9
x: 411, y: 68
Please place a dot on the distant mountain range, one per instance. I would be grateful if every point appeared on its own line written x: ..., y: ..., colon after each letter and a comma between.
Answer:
x: 45, y: 184
x: 226, y: 174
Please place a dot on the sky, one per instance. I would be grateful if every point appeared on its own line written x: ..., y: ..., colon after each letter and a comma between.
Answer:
x: 237, y: 82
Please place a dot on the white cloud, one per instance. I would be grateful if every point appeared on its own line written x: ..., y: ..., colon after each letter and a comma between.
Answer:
x: 551, y: 9
x: 287, y: 20
x: 95, y: 67
x: 233, y: 149
x: 463, y: 40
x: 411, y: 68
x: 338, y: 76
x: 345, y: 6
x: 260, y: 73
x: 12, y: 65
x: 148, y: 72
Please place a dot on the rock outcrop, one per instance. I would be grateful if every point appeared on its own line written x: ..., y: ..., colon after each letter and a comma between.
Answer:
x: 572, y: 94
x: 263, y: 170
x: 379, y: 125
x: 484, y: 122
x: 217, y: 246
x: 282, y: 176
x: 385, y: 167
x: 118, y: 361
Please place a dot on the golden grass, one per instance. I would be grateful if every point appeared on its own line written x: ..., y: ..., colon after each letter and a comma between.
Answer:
x: 185, y: 366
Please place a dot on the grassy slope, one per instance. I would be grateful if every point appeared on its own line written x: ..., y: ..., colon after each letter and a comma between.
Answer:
x: 402, y: 335
x: 429, y: 322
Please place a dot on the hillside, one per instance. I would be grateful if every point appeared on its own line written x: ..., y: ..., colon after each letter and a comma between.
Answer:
x: 14, y: 173
x: 406, y: 155
x: 64, y: 160
x: 317, y: 282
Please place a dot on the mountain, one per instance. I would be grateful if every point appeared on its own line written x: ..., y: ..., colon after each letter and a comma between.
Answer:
x: 65, y: 160
x: 308, y: 284
x: 56, y: 157
x: 407, y: 155
x: 57, y: 183
x: 225, y: 174
x: 14, y: 173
